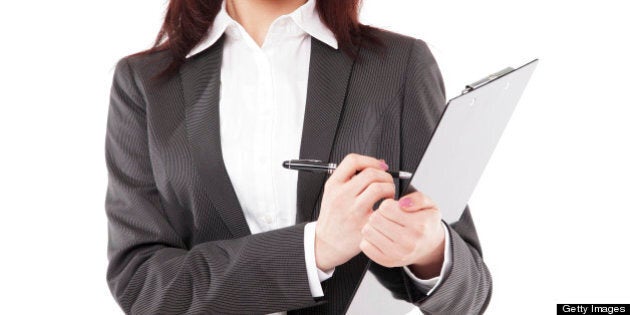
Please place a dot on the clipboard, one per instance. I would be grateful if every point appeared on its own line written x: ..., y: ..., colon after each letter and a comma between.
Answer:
x: 461, y: 145
x: 465, y: 137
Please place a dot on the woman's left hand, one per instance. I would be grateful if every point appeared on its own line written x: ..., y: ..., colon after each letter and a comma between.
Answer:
x: 408, y: 232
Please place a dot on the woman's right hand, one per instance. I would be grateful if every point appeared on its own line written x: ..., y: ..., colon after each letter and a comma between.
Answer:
x: 346, y: 206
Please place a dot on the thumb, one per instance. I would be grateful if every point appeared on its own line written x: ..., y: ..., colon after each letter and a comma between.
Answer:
x: 407, y: 204
x: 415, y: 201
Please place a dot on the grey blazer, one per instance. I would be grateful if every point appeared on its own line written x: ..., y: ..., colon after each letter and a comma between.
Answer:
x: 178, y: 239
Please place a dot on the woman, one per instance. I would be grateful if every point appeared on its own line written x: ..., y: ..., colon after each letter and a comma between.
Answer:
x: 202, y: 216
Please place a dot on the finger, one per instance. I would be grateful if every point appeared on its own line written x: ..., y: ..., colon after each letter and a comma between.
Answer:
x: 367, y: 176
x: 375, y: 254
x: 385, y: 226
x: 390, y: 209
x: 377, y: 238
x: 373, y: 193
x: 416, y: 201
x: 354, y: 163
x: 388, y: 246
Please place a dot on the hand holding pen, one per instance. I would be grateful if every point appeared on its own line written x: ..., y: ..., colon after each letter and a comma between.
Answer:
x: 350, y: 192
x: 406, y: 232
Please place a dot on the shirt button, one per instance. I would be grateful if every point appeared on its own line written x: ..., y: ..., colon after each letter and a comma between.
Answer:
x: 268, y: 219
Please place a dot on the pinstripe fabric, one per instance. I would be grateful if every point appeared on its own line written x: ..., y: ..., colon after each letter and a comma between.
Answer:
x: 178, y: 240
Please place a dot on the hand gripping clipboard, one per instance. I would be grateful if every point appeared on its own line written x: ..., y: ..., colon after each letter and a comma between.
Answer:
x: 460, y: 148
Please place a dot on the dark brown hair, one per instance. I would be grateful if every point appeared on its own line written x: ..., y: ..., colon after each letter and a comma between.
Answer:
x: 187, y: 21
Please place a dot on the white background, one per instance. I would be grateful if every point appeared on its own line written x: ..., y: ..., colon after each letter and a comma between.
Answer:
x: 551, y: 209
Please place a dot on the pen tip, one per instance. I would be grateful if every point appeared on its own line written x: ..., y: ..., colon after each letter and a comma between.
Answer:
x: 285, y: 164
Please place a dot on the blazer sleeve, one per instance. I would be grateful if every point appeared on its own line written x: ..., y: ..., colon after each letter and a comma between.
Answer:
x: 151, y: 270
x: 466, y: 287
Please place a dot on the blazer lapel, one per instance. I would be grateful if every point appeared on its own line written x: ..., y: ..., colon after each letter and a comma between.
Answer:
x: 201, y: 80
x: 329, y: 74
x: 329, y: 77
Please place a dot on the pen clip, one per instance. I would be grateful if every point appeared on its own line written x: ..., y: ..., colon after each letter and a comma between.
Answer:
x: 309, y: 160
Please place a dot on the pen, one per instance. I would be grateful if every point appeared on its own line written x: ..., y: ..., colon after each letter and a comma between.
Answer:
x: 319, y: 166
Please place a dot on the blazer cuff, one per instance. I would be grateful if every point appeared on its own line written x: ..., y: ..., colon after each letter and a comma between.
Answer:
x: 466, y: 287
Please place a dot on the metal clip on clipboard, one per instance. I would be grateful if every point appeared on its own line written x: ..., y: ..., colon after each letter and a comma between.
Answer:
x: 486, y: 80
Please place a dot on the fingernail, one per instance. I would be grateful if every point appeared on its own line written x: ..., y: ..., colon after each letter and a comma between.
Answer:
x: 405, y: 202
x: 384, y: 165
